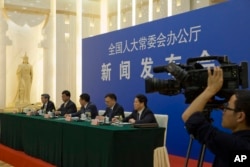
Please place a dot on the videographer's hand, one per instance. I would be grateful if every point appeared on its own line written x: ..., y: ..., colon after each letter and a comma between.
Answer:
x: 214, y: 81
x: 214, y: 84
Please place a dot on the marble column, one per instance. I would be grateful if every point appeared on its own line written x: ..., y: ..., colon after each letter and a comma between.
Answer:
x: 4, y: 40
x: 49, y: 59
x: 78, y: 48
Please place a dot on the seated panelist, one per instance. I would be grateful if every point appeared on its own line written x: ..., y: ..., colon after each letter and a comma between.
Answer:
x: 141, y: 113
x: 47, y: 104
x: 113, y: 108
x: 68, y: 106
x: 87, y: 107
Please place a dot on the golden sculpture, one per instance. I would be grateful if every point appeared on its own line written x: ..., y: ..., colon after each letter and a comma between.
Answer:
x: 24, y: 76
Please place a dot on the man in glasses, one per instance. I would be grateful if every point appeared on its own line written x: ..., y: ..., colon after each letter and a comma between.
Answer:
x: 236, y: 117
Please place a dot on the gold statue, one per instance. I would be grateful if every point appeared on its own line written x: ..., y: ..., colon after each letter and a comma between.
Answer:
x: 24, y: 76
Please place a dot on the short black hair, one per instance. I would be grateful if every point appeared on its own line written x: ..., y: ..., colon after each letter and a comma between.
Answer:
x: 45, y: 95
x: 66, y: 92
x: 85, y: 96
x: 142, y: 99
x: 111, y: 95
x: 242, y: 103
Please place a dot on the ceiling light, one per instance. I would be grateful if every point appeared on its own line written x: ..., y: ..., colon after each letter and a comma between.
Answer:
x: 92, y: 23
x: 110, y: 24
x: 178, y: 3
x: 140, y: 14
x: 66, y: 19
x: 124, y: 19
x: 158, y: 8
x: 66, y: 36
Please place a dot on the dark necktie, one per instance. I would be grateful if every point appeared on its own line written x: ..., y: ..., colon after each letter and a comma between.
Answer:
x: 83, y: 110
x: 110, y: 113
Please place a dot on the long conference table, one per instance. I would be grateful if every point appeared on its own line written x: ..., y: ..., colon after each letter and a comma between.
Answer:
x: 78, y: 143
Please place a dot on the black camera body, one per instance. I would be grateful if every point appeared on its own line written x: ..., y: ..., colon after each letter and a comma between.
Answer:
x: 191, y: 79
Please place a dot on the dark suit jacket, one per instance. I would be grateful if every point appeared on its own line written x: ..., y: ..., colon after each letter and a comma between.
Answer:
x: 68, y: 109
x: 91, y: 107
x: 147, y: 116
x: 50, y: 107
x: 117, y: 111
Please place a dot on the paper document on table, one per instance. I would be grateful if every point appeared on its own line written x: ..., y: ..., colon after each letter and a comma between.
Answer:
x: 124, y: 123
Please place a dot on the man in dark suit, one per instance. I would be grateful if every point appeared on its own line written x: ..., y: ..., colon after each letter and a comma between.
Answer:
x: 68, y: 106
x: 113, y: 108
x: 47, y: 104
x: 87, y: 107
x: 141, y: 114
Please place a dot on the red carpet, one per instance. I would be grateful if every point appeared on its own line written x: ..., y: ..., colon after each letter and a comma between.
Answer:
x: 20, y: 159
x: 176, y: 161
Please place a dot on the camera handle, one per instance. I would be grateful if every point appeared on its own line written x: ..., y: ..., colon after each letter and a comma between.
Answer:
x: 220, y: 59
x: 206, y: 112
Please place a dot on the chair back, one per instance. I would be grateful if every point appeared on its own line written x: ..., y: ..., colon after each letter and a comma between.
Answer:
x: 162, y: 121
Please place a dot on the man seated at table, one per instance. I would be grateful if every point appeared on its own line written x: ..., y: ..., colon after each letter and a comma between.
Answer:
x: 46, y: 107
x: 68, y: 106
x: 113, y: 108
x: 87, y: 107
x: 141, y: 113
x: 47, y: 104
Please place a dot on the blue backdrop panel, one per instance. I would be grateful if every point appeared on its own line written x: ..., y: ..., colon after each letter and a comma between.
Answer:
x: 119, y: 61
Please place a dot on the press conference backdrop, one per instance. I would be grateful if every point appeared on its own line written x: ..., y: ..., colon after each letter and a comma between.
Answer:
x: 119, y: 61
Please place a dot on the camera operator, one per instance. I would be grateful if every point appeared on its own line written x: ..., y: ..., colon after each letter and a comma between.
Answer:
x: 236, y: 117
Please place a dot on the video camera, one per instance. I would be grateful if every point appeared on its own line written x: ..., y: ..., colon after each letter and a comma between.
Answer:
x: 191, y: 79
